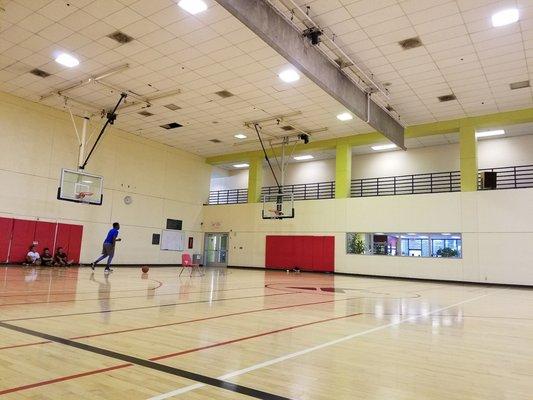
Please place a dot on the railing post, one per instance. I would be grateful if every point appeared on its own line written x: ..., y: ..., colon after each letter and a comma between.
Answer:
x: 412, y: 184
x: 394, y: 185
x: 332, y: 190
x: 377, y: 186
x: 305, y: 191
x: 514, y: 176
x: 451, y: 183
x: 431, y: 182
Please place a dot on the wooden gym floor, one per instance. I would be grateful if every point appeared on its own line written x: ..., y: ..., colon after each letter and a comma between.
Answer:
x: 237, y: 334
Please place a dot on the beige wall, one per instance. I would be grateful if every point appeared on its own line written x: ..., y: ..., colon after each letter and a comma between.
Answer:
x: 164, y: 182
x: 497, y: 228
x: 517, y: 150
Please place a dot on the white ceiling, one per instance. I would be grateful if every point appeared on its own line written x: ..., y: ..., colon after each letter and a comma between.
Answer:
x: 212, y: 51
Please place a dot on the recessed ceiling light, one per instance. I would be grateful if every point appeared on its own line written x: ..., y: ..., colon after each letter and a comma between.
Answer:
x: 496, y: 132
x: 505, y: 17
x: 345, y: 116
x: 243, y: 165
x: 67, y: 60
x: 383, y: 147
x: 240, y: 136
x: 193, y: 6
x: 289, y: 75
x: 305, y: 157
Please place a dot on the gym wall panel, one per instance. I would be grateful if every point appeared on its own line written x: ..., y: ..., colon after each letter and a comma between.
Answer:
x: 309, y: 253
x: 63, y: 237
x: 6, y: 229
x: 74, y: 243
x: 45, y: 234
x: 22, y: 238
x: 41, y: 141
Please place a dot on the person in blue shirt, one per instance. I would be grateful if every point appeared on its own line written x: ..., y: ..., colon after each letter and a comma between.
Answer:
x: 108, y: 249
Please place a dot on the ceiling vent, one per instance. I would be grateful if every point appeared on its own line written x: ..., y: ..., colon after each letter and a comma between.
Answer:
x: 410, y: 43
x: 519, y: 85
x: 287, y: 128
x: 172, y: 125
x: 145, y: 113
x: 172, y: 107
x: 215, y: 141
x: 39, y: 72
x: 120, y: 37
x: 224, y: 94
x: 447, y: 97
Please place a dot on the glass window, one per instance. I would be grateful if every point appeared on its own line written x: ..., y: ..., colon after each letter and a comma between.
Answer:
x: 446, y: 245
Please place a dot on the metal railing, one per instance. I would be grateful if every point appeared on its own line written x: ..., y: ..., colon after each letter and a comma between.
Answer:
x: 437, y: 182
x: 306, y: 191
x: 230, y: 196
x: 516, y: 177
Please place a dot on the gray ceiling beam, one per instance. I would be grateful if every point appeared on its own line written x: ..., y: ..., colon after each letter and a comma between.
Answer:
x: 262, y: 19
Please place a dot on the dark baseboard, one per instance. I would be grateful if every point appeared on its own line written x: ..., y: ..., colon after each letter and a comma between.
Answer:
x: 439, y: 281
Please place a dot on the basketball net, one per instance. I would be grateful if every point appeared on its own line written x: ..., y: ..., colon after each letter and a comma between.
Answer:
x: 84, y: 197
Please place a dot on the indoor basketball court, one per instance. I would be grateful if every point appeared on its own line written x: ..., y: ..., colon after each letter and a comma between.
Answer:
x: 270, y: 199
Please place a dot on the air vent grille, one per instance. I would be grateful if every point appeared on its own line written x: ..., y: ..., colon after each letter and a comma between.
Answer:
x: 224, y: 94
x: 40, y: 73
x: 172, y: 107
x: 171, y: 125
x: 519, y: 85
x: 447, y: 97
x: 120, y: 37
x: 145, y: 113
x: 410, y: 43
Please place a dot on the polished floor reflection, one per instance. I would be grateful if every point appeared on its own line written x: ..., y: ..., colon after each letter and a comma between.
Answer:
x: 234, y: 333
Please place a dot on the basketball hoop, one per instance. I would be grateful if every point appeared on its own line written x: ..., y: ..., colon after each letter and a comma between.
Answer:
x: 84, y: 197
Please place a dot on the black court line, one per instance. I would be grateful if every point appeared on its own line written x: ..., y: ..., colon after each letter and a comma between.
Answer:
x: 258, y: 394
x: 145, y: 307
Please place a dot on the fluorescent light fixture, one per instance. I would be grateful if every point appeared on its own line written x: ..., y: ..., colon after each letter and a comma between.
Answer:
x: 345, y: 116
x: 383, y: 147
x: 289, y: 75
x: 87, y: 181
x: 379, y: 233
x: 193, y: 6
x: 496, y: 132
x: 446, y: 234
x: 243, y: 165
x: 67, y: 60
x: 305, y: 157
x: 505, y: 17
x: 240, y: 136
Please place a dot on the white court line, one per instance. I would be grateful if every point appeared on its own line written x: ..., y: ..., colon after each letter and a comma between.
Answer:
x: 308, y: 350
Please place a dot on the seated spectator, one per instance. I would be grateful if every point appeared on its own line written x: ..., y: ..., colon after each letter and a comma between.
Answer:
x: 33, y: 257
x: 61, y: 258
x: 46, y: 258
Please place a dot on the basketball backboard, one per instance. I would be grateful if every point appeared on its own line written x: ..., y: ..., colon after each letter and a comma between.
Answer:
x: 80, y: 187
x: 278, y: 206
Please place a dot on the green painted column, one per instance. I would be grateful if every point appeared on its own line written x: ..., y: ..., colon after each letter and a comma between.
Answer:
x: 468, y: 157
x: 343, y: 170
x: 255, y: 179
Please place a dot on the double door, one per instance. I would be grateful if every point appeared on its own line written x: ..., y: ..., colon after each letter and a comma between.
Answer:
x: 216, y: 249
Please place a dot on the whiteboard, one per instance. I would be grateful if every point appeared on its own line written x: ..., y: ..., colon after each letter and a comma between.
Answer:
x: 172, y: 240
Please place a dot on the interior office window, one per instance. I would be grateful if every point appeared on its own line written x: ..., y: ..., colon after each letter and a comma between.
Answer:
x: 405, y: 244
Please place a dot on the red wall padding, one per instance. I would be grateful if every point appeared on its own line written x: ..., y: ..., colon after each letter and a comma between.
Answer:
x: 45, y: 235
x: 6, y: 229
x: 311, y: 253
x: 21, y: 239
x: 74, y: 243
x: 16, y: 236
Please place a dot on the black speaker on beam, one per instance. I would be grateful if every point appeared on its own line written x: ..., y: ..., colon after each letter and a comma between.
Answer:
x: 488, y: 180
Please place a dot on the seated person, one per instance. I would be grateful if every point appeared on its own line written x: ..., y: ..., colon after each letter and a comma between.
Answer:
x: 61, y: 257
x: 33, y: 257
x: 46, y: 258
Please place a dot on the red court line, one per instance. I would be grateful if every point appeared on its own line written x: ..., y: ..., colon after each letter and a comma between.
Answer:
x: 180, y: 322
x: 63, y: 378
x: 218, y: 344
